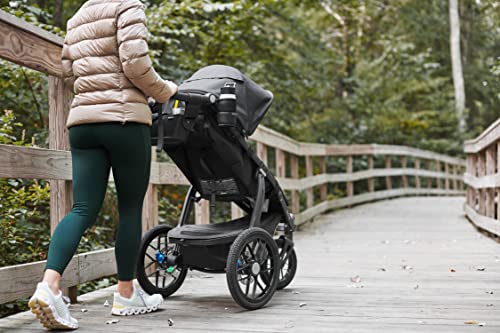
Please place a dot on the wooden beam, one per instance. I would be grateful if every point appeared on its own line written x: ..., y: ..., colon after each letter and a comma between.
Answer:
x: 280, y: 163
x: 388, y: 181
x: 309, y: 173
x: 294, y: 166
x: 150, y: 216
x: 349, y: 168
x: 20, y: 45
x: 323, y: 187
x: 417, y: 178
x: 262, y: 152
x: 202, y: 212
x: 371, y: 180
x: 404, y: 179
x: 61, y: 198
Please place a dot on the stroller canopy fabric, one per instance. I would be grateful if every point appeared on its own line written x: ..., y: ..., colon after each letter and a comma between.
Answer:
x: 252, y: 100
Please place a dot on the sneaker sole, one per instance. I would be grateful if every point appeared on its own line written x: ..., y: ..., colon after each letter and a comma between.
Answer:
x: 47, y: 317
x: 134, y: 311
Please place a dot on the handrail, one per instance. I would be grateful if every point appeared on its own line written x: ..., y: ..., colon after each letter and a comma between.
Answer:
x: 37, y: 49
x: 482, y: 178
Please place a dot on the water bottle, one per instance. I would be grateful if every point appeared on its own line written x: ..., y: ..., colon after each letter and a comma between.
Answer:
x: 226, y: 115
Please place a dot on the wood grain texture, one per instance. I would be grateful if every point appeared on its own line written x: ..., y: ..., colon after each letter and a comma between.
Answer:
x: 26, y: 49
x: 275, y: 139
x: 20, y: 280
x: 309, y: 173
x: 150, y: 216
x: 347, y: 243
x: 34, y: 163
x: 294, y: 166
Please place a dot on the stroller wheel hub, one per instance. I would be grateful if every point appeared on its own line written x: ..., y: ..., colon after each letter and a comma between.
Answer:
x: 255, y: 268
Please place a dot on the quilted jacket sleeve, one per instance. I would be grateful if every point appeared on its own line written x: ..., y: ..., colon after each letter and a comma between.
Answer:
x: 132, y: 37
x: 67, y: 66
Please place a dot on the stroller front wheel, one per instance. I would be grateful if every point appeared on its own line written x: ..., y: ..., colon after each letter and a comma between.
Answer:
x: 153, y: 272
x: 252, y: 268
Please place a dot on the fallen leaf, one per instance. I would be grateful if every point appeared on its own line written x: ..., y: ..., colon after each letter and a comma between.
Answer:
x: 488, y: 305
x: 481, y: 269
x: 407, y: 267
x: 84, y: 310
x: 302, y: 304
x: 106, y: 303
x: 170, y: 322
x: 356, y: 279
x: 471, y: 322
x: 113, y: 321
x: 382, y: 269
x: 452, y: 270
x: 296, y: 292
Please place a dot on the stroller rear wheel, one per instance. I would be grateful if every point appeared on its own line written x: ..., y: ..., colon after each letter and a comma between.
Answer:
x: 153, y: 263
x: 252, y: 268
x: 288, y: 267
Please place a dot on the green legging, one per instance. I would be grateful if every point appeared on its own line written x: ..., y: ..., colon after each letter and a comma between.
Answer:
x: 95, y: 148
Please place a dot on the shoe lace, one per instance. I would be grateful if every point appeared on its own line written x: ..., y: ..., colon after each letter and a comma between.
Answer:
x: 66, y: 299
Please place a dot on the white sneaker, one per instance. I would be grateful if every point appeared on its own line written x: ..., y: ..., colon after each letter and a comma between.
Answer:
x: 138, y: 303
x: 50, y: 309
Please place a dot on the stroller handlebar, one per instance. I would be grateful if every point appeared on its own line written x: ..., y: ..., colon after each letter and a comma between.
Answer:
x: 206, y: 99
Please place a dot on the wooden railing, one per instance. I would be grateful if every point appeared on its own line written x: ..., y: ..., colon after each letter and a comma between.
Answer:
x: 483, y: 179
x: 37, y: 49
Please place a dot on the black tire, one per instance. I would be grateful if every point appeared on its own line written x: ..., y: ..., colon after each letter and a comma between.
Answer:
x: 288, y: 265
x: 253, y: 254
x: 159, y: 269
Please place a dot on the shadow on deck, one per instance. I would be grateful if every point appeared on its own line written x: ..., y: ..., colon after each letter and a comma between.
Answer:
x: 403, y: 265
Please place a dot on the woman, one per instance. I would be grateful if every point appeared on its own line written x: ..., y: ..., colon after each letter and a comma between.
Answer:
x: 105, y: 57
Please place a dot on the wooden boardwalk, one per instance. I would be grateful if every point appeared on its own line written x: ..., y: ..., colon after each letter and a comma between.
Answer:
x: 404, y: 265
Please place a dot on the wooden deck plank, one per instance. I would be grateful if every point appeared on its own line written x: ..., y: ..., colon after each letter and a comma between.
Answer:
x: 374, y: 241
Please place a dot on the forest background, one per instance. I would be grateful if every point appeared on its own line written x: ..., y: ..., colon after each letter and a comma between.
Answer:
x: 344, y: 71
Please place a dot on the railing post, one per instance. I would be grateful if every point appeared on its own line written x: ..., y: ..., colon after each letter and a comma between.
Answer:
x: 438, y: 169
x: 61, y: 201
x: 323, y: 187
x: 261, y: 151
x: 150, y: 206
x: 403, y: 166
x: 417, y: 177
x: 371, y: 180
x: 350, y: 185
x: 447, y: 180
x: 455, y: 174
x: 294, y: 166
x: 202, y: 212
x: 388, y: 181
x: 309, y: 173
x: 471, y: 170
x: 481, y: 171
x: 428, y: 168
x: 491, y: 161
x: 280, y: 163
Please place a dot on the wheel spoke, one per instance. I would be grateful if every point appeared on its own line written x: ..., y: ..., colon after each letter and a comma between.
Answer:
x: 244, y: 278
x: 243, y: 267
x: 152, y: 259
x: 247, y: 289
x: 154, y: 248
x: 254, y: 287
x: 258, y: 284
x: 148, y: 265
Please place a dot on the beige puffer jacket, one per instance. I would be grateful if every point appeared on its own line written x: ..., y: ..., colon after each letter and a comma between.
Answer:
x: 105, y: 52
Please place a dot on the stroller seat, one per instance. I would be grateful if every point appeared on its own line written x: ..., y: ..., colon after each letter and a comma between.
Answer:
x: 206, y: 234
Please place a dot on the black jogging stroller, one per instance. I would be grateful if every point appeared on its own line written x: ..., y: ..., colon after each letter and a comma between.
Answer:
x: 203, y: 128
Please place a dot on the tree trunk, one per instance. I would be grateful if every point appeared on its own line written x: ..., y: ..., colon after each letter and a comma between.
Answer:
x: 456, y: 64
x: 59, y: 13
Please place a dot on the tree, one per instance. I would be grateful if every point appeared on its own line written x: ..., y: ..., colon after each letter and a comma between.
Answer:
x: 456, y: 64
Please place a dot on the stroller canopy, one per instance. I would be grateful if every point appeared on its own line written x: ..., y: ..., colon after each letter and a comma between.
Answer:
x: 252, y: 100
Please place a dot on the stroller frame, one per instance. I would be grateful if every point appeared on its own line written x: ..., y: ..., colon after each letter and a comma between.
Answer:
x: 255, y: 251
